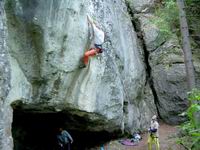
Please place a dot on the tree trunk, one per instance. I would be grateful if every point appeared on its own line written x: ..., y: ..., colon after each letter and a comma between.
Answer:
x: 186, y: 46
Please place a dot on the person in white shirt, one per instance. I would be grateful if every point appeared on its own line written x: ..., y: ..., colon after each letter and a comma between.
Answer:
x: 98, y: 37
x: 153, y: 134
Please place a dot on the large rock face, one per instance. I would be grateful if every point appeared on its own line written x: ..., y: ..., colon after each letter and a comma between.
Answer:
x: 40, y: 56
x: 168, y: 74
x: 53, y: 38
x: 5, y: 109
x: 167, y: 70
x: 47, y: 40
x: 141, y: 6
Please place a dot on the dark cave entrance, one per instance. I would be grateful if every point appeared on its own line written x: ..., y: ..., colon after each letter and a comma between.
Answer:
x: 37, y: 131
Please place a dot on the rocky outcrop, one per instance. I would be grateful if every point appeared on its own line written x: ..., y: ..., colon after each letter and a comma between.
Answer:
x: 5, y: 109
x: 166, y: 66
x: 140, y: 72
x: 47, y: 40
x: 168, y: 75
x: 53, y: 40
x: 141, y: 6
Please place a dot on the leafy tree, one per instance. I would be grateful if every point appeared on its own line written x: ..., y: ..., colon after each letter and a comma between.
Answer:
x: 191, y: 129
x: 167, y: 20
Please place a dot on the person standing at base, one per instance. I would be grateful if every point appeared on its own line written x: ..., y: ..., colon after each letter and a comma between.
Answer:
x: 64, y: 140
x: 153, y: 136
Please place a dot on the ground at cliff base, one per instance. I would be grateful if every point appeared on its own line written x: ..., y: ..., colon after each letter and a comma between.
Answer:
x: 167, y: 139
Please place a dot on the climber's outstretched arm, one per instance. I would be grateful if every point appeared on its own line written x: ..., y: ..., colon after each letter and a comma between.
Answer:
x: 91, y: 26
x: 89, y: 19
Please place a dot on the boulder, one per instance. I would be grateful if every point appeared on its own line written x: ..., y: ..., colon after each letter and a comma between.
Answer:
x: 141, y: 6
x: 47, y: 40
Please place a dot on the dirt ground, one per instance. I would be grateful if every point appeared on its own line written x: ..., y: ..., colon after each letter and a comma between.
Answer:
x: 166, y: 138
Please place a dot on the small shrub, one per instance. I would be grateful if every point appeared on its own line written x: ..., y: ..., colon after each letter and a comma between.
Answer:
x: 167, y: 19
x: 191, y: 129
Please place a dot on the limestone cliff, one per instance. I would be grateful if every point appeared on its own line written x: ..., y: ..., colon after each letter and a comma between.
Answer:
x: 5, y: 77
x: 42, y: 44
x: 47, y: 40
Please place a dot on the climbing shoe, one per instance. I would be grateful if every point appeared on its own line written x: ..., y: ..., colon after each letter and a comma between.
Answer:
x: 82, y: 66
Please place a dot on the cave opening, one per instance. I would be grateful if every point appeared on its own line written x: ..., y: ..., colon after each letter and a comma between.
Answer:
x: 37, y: 131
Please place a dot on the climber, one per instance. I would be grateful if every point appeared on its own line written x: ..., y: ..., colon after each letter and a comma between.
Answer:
x: 97, y: 40
x: 153, y: 134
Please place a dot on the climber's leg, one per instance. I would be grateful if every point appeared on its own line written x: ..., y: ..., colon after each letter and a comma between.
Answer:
x: 157, y: 144
x: 91, y: 52
x: 150, y: 140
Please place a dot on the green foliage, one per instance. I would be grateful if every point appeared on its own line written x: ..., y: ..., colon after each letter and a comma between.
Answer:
x: 167, y: 16
x: 191, y: 128
x: 192, y: 109
x: 167, y: 19
x: 194, y: 95
x: 193, y: 15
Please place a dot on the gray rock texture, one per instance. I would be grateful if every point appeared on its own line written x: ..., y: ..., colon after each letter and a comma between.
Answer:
x: 53, y: 38
x: 167, y: 70
x: 141, y: 6
x: 5, y: 109
x: 47, y: 40
x: 169, y: 78
x: 151, y: 34
x: 42, y: 43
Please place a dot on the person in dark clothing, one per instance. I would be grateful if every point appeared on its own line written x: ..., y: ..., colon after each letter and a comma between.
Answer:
x: 64, y: 140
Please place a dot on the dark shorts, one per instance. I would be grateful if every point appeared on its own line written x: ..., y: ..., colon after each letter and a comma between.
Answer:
x: 66, y: 146
x: 99, y: 46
